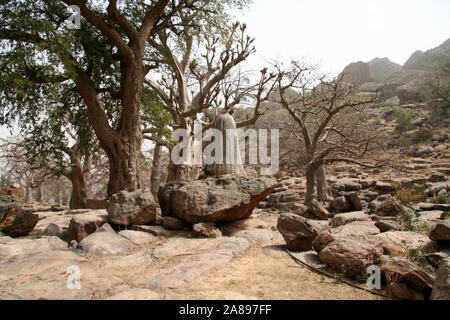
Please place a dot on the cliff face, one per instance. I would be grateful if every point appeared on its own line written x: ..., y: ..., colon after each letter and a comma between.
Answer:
x: 391, y: 79
x: 430, y: 60
x: 357, y: 73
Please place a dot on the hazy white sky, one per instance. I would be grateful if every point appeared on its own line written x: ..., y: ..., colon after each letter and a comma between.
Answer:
x: 337, y: 33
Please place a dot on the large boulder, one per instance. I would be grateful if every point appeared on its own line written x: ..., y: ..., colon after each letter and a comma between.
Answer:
x: 298, y: 232
x: 340, y: 204
x: 441, y: 286
x: 346, y: 218
x: 441, y: 232
x: 226, y: 199
x: 80, y: 226
x: 317, y: 209
x: 13, y: 221
x: 401, y: 243
x: 399, y: 270
x: 352, y: 255
x: 105, y: 241
x: 129, y: 208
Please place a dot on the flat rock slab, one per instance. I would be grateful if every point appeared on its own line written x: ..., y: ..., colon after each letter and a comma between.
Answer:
x: 158, y: 231
x: 228, y: 246
x: 356, y: 228
x: 191, y: 258
x: 258, y: 236
x: 105, y: 243
x: 139, y: 238
x: 20, y: 248
x: 346, y: 218
x: 399, y: 243
x: 45, y: 275
x: 185, y: 270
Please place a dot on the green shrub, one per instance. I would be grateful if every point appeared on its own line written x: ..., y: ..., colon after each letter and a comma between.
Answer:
x: 404, y: 119
x: 443, y: 199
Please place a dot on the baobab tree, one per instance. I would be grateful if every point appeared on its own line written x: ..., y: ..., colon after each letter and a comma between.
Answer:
x: 202, y: 73
x: 327, y: 123
x: 106, y: 60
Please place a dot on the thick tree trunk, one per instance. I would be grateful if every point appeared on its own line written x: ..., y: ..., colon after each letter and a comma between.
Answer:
x: 122, y: 145
x: 39, y: 193
x: 310, y: 184
x: 28, y: 193
x: 76, y: 176
x: 323, y: 191
x: 156, y: 170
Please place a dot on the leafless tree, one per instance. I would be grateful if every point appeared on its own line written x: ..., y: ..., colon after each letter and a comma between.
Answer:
x: 204, y: 75
x: 328, y: 126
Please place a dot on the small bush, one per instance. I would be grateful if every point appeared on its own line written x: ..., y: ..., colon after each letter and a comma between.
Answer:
x: 443, y: 199
x: 404, y: 119
x: 415, y: 195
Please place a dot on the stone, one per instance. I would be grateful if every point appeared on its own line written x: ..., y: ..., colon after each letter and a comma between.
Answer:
x: 55, y: 230
x: 285, y: 196
x: 384, y: 187
x: 317, y: 209
x: 390, y: 207
x: 13, y: 221
x: 44, y: 276
x: 352, y: 255
x: 227, y: 199
x: 441, y: 232
x: 357, y: 228
x: 21, y: 248
x: 322, y: 240
x: 158, y: 231
x: 384, y: 197
x: 298, y: 232
x: 351, y: 185
x: 206, y: 229
x: 437, y: 177
x: 423, y: 151
x: 105, y: 242
x: 139, y: 238
x: 191, y: 258
x: 441, y: 286
x: 80, y: 226
x: 388, y: 225
x: 340, y: 204
x: 346, y: 218
x: 173, y: 223
x: 401, y: 270
x: 129, y: 208
x: 433, y: 206
x: 400, y: 243
x: 373, y: 205
x: 354, y: 201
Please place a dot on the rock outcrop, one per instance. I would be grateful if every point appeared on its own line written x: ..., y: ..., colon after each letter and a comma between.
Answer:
x: 132, y: 208
x: 227, y: 199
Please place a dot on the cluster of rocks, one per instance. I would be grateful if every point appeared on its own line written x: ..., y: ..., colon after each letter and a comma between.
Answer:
x: 356, y: 232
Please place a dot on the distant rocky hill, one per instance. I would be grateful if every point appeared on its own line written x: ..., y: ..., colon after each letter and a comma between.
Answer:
x: 393, y: 80
x: 431, y: 59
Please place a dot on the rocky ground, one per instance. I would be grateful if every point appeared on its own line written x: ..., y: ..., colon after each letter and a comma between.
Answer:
x: 130, y: 251
x: 163, y: 264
